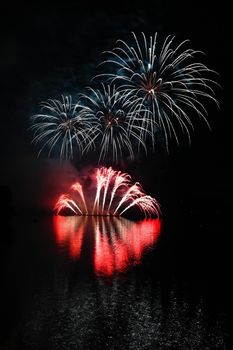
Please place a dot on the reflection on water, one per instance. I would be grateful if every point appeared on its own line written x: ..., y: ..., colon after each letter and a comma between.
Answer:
x: 51, y: 300
x: 70, y: 232
x: 118, y: 243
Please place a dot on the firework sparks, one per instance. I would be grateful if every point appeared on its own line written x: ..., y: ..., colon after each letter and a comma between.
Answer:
x: 121, y: 180
x: 100, y: 183
x: 108, y: 177
x: 59, y: 126
x: 65, y: 201
x: 78, y: 188
x: 109, y: 199
x: 146, y: 203
x: 162, y: 81
x: 112, y: 113
x: 132, y: 192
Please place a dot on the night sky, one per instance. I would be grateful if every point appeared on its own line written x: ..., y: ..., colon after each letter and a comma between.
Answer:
x: 54, y: 49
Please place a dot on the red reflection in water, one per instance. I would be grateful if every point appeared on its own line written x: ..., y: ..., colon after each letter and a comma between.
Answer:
x: 70, y: 231
x: 121, y: 243
x: 118, y: 243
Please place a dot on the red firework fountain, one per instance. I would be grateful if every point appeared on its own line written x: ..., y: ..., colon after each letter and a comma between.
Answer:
x: 115, y: 194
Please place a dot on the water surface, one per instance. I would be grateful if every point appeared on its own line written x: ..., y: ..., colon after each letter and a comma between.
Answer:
x: 101, y: 283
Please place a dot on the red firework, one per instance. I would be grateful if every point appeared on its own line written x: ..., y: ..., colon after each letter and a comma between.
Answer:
x: 115, y: 194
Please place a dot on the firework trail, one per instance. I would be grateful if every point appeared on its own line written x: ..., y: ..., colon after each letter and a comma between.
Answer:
x: 108, y: 177
x: 60, y: 126
x: 146, y: 203
x: 109, y: 195
x: 121, y: 180
x: 78, y: 188
x: 133, y: 192
x: 65, y: 201
x: 101, y: 181
x: 112, y: 113
x: 164, y: 83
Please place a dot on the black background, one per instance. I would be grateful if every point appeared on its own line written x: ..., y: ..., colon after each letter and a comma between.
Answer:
x: 50, y: 49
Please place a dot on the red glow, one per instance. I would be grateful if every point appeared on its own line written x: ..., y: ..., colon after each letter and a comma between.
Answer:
x: 124, y: 245
x: 70, y: 231
x: 114, y: 195
x: 118, y: 243
x: 103, y: 256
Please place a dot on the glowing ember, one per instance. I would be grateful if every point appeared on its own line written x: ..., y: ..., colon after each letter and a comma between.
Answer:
x: 115, y: 194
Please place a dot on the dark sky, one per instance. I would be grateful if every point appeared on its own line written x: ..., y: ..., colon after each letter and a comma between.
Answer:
x: 52, y: 49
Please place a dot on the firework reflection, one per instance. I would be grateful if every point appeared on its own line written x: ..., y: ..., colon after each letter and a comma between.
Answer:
x: 69, y: 232
x: 116, y: 243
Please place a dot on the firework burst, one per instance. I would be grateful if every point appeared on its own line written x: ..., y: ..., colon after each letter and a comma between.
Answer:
x: 163, y: 81
x: 115, y: 194
x: 59, y: 126
x: 112, y: 113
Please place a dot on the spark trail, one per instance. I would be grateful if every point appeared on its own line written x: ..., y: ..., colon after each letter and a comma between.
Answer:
x: 115, y: 194
x: 78, y: 188
x: 112, y: 132
x: 60, y: 128
x: 164, y: 82
x: 64, y: 201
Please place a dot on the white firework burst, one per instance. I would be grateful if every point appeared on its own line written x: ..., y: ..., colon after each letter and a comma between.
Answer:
x: 112, y: 130
x: 163, y: 80
x: 60, y: 128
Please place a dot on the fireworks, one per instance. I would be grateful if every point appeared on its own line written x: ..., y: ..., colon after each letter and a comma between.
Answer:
x: 115, y: 194
x: 112, y: 113
x: 150, y: 86
x: 163, y: 81
x: 60, y: 126
x: 64, y: 201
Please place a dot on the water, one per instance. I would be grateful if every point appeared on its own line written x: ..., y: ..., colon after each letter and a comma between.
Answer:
x: 114, y: 243
x: 104, y: 283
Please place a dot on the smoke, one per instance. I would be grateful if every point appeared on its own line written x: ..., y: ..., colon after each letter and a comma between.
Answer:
x: 35, y: 183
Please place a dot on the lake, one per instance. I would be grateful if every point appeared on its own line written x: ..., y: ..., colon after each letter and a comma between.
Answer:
x: 72, y: 282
